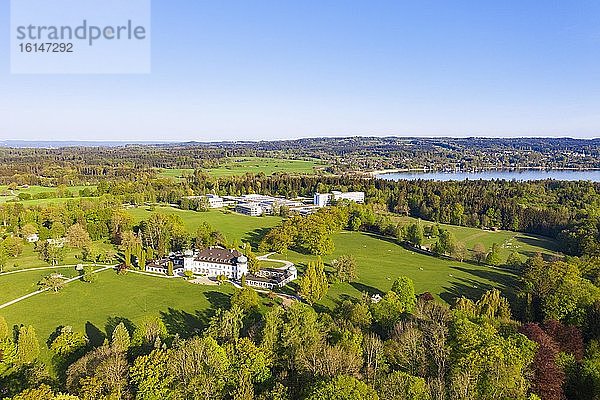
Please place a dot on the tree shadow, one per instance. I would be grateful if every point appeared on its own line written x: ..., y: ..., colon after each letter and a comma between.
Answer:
x: 255, y: 237
x: 185, y: 324
x: 218, y: 299
x: 113, y: 321
x: 540, y: 242
x: 503, y: 279
x: 370, y: 290
x: 95, y: 336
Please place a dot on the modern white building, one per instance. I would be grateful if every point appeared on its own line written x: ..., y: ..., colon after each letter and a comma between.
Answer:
x: 251, y: 209
x: 213, y: 200
x: 325, y: 199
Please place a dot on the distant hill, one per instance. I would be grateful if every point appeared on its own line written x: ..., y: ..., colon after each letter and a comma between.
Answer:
x: 50, y: 144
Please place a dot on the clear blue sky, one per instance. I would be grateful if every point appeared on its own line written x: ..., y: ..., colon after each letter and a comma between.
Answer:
x: 257, y: 69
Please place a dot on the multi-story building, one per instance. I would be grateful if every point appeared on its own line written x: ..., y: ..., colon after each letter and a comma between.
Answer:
x: 211, y: 262
x: 251, y: 209
x: 325, y: 199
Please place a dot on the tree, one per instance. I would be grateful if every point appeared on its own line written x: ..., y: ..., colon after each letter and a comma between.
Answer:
x: 151, y: 377
x: 54, y: 282
x: 199, y: 366
x: 514, y: 260
x: 446, y: 243
x: 28, y: 230
x: 400, y: 386
x: 28, y: 347
x: 345, y: 268
x: 479, y: 252
x: 68, y: 342
x: 246, y: 298
x: 148, y: 332
x: 415, y: 234
x: 342, y: 388
x: 52, y: 253
x: 459, y: 252
x: 548, y: 377
x: 120, y: 340
x: 226, y: 325
x: 88, y: 275
x: 13, y: 246
x: 405, y: 290
x: 78, y: 236
x: 493, y: 257
x: 313, y: 284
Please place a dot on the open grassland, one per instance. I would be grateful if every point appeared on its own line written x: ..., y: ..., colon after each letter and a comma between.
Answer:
x: 234, y: 226
x: 380, y: 261
x: 255, y: 165
x: 13, y: 195
x: 31, y: 259
x: 525, y: 244
x: 95, y: 308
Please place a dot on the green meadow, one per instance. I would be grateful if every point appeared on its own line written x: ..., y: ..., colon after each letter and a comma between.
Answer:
x: 255, y: 165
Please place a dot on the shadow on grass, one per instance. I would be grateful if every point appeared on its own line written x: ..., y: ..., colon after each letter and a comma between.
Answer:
x: 543, y: 243
x: 370, y: 290
x: 94, y: 334
x: 113, y: 321
x: 503, y: 279
x: 254, y: 237
x: 187, y: 324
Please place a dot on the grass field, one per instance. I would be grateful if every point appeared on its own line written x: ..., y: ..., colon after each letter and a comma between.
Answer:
x: 91, y: 308
x: 525, y: 244
x: 380, y: 261
x: 33, y: 190
x: 30, y: 258
x: 234, y: 226
x: 256, y: 165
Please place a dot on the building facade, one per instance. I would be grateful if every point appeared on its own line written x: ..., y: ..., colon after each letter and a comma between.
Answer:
x: 325, y: 199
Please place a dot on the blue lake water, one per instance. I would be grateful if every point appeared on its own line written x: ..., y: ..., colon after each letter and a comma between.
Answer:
x: 519, y: 175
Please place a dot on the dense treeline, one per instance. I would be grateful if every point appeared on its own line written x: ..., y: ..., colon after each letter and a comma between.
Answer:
x: 341, y: 154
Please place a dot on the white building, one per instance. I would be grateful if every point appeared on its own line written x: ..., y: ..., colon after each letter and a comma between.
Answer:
x: 325, y: 199
x: 33, y: 238
x: 271, y: 278
x: 215, y: 201
x: 211, y: 262
x: 251, y: 209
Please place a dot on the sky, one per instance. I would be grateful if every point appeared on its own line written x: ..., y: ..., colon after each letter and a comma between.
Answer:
x: 273, y: 69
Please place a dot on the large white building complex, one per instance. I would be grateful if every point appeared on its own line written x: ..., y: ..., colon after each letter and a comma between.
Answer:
x: 211, y: 262
x: 217, y: 261
x: 325, y: 199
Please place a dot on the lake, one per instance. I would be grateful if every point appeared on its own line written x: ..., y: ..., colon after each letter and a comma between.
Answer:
x: 519, y: 175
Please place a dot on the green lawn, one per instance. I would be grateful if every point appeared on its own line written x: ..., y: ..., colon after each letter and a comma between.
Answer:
x: 525, y: 244
x: 94, y: 308
x: 234, y: 226
x: 6, y: 195
x: 256, y: 165
x: 30, y: 258
x: 380, y: 261
x: 16, y: 285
